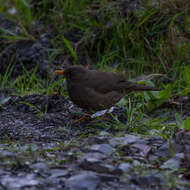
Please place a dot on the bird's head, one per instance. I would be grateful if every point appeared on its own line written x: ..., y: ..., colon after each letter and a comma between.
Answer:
x: 73, y: 73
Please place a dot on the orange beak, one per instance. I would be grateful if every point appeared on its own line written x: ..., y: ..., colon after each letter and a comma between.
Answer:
x: 59, y: 72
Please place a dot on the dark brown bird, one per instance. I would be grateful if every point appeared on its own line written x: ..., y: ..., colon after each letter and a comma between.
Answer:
x: 94, y: 90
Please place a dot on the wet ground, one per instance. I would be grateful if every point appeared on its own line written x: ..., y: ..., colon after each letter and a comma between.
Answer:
x: 42, y: 147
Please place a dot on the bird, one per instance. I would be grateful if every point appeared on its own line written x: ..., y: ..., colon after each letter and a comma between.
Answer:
x: 95, y: 90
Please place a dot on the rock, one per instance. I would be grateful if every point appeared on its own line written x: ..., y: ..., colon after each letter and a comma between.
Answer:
x: 143, y: 149
x: 156, y: 141
x: 97, y: 140
x: 182, y: 137
x: 148, y: 180
x: 104, y: 133
x: 56, y: 173
x: 5, y: 154
x: 125, y: 167
x: 128, y: 139
x: 173, y: 163
x: 103, y: 148
x: 95, y: 155
x: 82, y: 181
x: 108, y: 177
x: 164, y: 150
x: 40, y: 167
x: 18, y: 183
x: 99, y: 166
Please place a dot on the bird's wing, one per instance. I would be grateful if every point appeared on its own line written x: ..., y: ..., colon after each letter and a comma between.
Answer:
x: 100, y: 101
x: 104, y: 82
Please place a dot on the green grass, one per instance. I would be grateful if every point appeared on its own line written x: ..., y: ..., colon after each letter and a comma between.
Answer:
x: 154, y: 39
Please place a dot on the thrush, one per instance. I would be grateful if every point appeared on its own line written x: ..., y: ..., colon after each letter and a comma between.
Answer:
x: 94, y: 90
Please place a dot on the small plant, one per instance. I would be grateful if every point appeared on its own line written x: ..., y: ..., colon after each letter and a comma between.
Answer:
x: 70, y: 48
x: 28, y: 82
x: 3, y: 101
x: 39, y: 112
x: 187, y: 80
x: 4, y: 79
x: 25, y: 11
x: 182, y: 124
x: 155, y: 99
x: 133, y: 113
x: 11, y: 36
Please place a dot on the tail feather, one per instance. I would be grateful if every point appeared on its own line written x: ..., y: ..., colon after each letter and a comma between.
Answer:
x: 137, y: 87
x: 145, y: 88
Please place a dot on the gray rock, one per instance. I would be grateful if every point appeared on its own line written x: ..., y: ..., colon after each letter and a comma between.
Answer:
x: 148, y: 180
x: 125, y: 167
x: 143, y: 149
x: 108, y: 177
x: 104, y: 133
x: 56, y: 173
x: 17, y: 183
x: 7, y: 154
x: 99, y: 166
x: 156, y: 141
x: 40, y: 167
x: 183, y: 137
x: 83, y: 181
x: 173, y: 163
x: 96, y: 155
x: 164, y: 150
x: 128, y: 139
x: 97, y: 140
x: 103, y: 148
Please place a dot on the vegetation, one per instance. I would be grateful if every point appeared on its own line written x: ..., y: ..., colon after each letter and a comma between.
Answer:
x: 154, y: 38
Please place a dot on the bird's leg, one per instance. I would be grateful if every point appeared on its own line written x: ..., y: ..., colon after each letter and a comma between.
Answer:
x: 83, y: 118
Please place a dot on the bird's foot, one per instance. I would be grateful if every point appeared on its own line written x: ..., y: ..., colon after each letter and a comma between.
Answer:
x: 101, y: 118
x: 83, y: 118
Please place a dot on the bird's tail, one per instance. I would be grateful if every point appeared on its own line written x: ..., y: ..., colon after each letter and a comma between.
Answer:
x: 137, y: 87
x: 145, y: 88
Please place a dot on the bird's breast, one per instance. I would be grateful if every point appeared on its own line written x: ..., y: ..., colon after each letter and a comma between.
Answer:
x: 78, y: 95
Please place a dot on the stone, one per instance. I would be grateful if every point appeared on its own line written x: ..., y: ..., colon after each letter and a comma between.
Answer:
x: 125, y: 167
x: 99, y: 166
x: 103, y: 148
x: 82, y: 181
x: 173, y: 163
